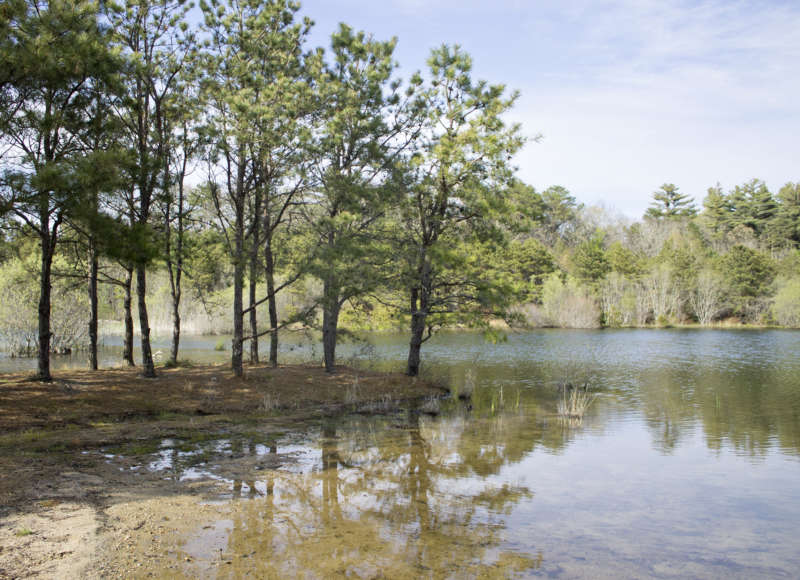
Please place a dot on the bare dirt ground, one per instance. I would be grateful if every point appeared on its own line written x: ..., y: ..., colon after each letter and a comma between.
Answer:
x: 67, y: 513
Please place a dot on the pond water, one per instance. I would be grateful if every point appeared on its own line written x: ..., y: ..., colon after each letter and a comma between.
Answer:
x: 686, y: 464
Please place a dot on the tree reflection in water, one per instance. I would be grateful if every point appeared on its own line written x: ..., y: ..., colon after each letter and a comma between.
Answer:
x: 392, y: 500
x: 413, y: 496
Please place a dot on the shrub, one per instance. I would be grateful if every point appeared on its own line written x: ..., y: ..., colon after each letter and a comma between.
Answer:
x: 569, y: 305
x: 786, y: 308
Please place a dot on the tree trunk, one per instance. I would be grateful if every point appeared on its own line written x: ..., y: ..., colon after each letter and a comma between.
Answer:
x: 149, y: 369
x: 44, y: 301
x: 272, y: 302
x: 238, y: 198
x: 255, y: 233
x: 330, y: 323
x: 174, y: 271
x: 420, y: 308
x: 147, y: 164
x: 127, y: 345
x: 93, y: 266
x: 238, y: 315
x: 176, y: 327
x: 417, y: 330
x: 178, y: 292
x: 253, y: 314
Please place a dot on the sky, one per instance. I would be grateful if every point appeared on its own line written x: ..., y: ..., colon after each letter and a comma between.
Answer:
x: 626, y: 94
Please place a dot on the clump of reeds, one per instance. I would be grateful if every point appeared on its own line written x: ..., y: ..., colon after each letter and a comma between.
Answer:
x: 467, y: 388
x: 431, y: 405
x: 382, y: 404
x: 269, y: 402
x: 575, y: 400
x: 351, y: 394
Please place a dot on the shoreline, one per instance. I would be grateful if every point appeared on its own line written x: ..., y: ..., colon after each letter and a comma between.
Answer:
x: 66, y: 512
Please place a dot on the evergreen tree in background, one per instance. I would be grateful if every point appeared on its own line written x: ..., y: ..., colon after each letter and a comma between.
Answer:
x: 590, y: 261
x: 751, y: 205
x: 751, y: 211
x: 560, y: 216
x: 749, y: 275
x: 716, y: 208
x: 788, y: 215
x: 669, y: 203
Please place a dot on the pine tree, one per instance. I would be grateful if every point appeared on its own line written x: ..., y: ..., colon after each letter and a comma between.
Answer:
x: 151, y: 37
x: 753, y: 206
x: 749, y: 275
x: 252, y: 109
x: 590, y: 261
x: 360, y: 133
x: 787, y: 219
x: 669, y: 203
x: 57, y: 59
x: 716, y: 209
x: 457, y: 179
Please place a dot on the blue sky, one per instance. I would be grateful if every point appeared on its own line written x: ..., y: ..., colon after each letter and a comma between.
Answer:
x: 628, y: 94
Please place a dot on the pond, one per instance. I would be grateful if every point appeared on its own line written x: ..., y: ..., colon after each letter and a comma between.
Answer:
x: 686, y: 464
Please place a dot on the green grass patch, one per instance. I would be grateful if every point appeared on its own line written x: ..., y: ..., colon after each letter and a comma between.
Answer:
x: 135, y: 448
x: 22, y: 437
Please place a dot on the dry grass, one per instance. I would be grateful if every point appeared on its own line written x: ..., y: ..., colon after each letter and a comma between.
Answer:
x: 269, y: 403
x: 382, y: 404
x: 575, y: 400
x: 351, y: 394
x: 432, y: 405
x: 467, y: 388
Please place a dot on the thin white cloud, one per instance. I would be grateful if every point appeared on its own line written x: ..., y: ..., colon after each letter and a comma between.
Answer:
x: 665, y: 91
x: 628, y: 93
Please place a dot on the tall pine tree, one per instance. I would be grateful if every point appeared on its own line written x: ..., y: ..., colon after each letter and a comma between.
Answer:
x: 670, y: 203
x: 457, y: 179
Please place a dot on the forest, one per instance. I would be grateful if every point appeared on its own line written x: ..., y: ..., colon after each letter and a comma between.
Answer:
x: 173, y: 169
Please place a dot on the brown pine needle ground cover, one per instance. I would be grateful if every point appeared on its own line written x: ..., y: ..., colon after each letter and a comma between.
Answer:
x: 85, y: 399
x: 44, y: 426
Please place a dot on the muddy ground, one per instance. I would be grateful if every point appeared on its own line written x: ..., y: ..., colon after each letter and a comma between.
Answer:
x: 65, y: 512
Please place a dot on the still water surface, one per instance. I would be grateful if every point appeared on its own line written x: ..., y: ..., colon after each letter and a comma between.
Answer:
x: 687, y: 464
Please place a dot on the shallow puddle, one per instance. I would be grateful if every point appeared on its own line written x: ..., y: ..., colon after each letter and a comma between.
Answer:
x: 357, y: 497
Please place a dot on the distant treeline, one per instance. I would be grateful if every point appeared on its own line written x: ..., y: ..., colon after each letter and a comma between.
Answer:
x: 734, y: 261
